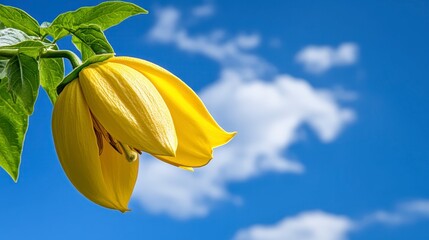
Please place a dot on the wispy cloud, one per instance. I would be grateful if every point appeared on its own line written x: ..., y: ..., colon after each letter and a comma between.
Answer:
x: 265, y: 107
x: 404, y: 213
x: 313, y: 225
x: 205, y: 10
x: 165, y: 27
x: 319, y: 225
x: 232, y: 52
x: 318, y: 59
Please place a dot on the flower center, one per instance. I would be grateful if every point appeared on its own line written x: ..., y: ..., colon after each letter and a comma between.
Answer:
x: 130, y: 153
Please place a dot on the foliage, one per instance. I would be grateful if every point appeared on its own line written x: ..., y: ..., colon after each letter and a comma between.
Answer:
x: 30, y: 57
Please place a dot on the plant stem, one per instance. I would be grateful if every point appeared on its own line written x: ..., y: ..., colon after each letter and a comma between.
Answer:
x: 71, y: 56
x: 8, y: 52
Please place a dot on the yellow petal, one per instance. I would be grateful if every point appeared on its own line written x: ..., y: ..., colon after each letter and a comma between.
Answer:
x: 129, y: 107
x: 119, y: 175
x: 197, y: 131
x: 77, y: 148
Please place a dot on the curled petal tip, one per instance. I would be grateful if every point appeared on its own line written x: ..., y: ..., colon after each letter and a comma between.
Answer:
x: 190, y: 169
x: 231, y: 136
x: 125, y: 210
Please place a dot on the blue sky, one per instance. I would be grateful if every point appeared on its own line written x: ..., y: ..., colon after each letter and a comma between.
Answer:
x: 330, y: 102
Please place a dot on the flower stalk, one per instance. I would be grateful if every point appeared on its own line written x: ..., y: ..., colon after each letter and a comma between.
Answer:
x: 71, y: 56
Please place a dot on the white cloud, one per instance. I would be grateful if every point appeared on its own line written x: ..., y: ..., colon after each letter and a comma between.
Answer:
x: 319, y: 225
x: 267, y: 116
x: 416, y: 207
x: 165, y: 27
x: 318, y: 59
x: 266, y: 111
x: 205, y: 10
x: 313, y: 225
x: 229, y: 52
x: 248, y: 41
x: 404, y: 213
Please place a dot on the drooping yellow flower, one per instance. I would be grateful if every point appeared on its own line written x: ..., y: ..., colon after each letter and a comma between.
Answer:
x: 119, y: 108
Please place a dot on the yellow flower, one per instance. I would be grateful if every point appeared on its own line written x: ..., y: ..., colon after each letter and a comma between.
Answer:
x: 119, y: 108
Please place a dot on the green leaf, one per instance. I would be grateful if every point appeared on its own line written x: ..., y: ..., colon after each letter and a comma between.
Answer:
x: 23, y: 80
x: 104, y: 15
x: 32, y: 48
x: 13, y: 125
x: 90, y: 40
x: 51, y: 74
x: 17, y: 18
x: 75, y: 73
x: 85, y: 51
x: 3, y: 63
x: 11, y: 36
